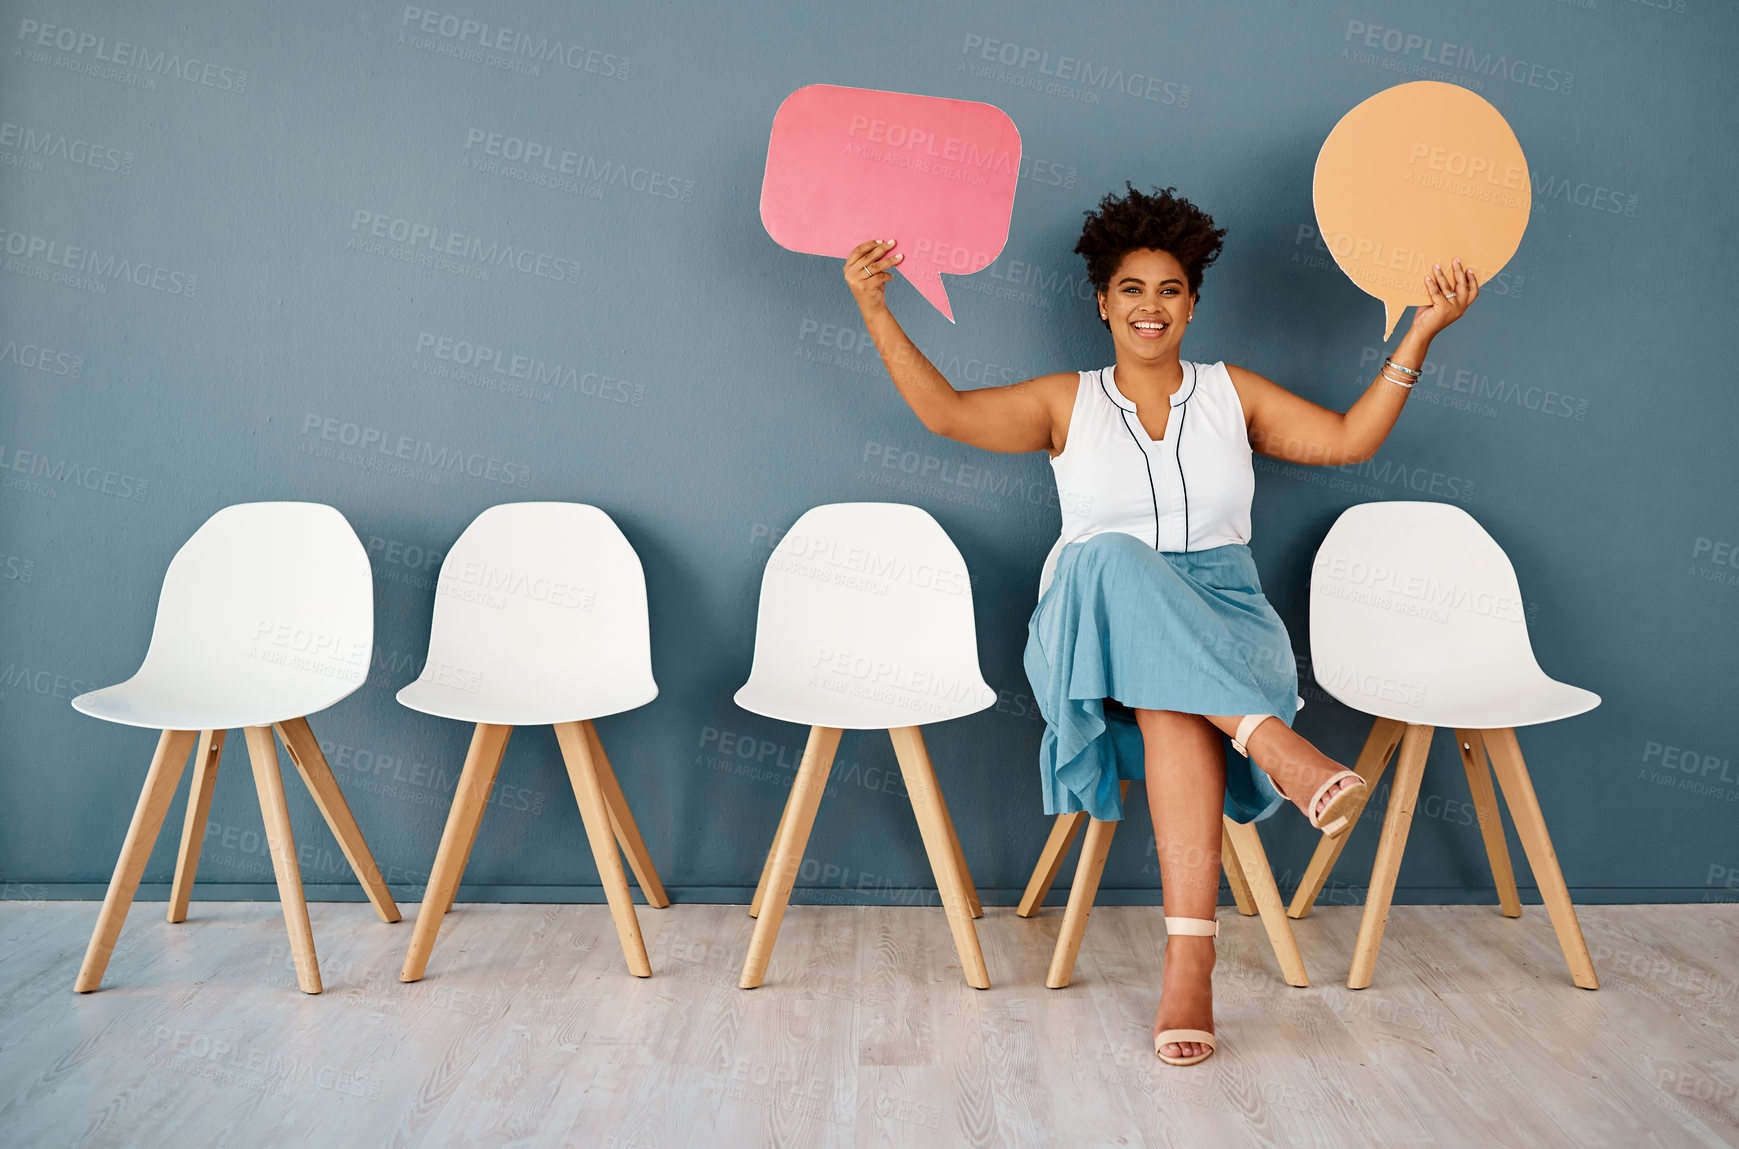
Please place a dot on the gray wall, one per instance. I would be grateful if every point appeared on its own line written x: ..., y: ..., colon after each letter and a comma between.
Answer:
x: 219, y: 172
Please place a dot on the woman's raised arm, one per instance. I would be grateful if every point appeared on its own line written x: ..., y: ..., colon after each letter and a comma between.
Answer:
x: 1019, y: 417
x: 1291, y: 427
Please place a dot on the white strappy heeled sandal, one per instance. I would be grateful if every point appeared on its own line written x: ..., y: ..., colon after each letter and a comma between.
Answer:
x: 1333, y: 818
x: 1187, y: 927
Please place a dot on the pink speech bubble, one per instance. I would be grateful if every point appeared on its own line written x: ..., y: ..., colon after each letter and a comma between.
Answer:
x: 849, y: 164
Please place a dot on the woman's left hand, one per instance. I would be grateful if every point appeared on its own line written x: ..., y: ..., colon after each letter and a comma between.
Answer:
x: 1452, y: 293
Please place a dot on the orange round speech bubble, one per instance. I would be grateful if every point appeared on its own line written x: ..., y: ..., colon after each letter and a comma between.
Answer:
x: 1416, y: 175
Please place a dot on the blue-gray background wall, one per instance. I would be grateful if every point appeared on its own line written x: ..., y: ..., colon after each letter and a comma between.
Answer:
x: 223, y: 172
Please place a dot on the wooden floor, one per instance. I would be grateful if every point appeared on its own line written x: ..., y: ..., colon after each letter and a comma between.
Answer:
x: 528, y: 1031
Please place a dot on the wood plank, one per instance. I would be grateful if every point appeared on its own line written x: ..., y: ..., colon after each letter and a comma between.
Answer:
x: 532, y: 1036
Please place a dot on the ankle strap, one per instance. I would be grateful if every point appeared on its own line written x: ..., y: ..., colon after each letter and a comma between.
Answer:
x: 1246, y: 728
x: 1193, y: 927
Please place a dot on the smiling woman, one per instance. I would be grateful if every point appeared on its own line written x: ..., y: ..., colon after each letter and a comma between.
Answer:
x: 1152, y: 637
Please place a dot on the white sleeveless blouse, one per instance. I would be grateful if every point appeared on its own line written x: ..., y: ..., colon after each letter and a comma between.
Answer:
x: 1189, y: 491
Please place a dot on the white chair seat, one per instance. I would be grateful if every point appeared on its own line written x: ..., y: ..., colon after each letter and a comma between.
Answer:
x: 527, y: 704
x: 1492, y: 703
x: 162, y: 703
x: 816, y: 706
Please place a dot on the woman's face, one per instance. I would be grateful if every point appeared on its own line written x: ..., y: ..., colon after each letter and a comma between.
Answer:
x: 1148, y: 304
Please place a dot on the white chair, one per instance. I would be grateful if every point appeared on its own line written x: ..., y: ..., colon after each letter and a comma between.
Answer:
x: 1241, y: 855
x: 540, y: 619
x: 1416, y: 618
x: 865, y: 623
x: 266, y: 616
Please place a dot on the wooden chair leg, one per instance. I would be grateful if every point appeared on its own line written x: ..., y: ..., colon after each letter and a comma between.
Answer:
x: 482, y: 760
x: 788, y: 846
x: 205, y: 760
x: 622, y: 823
x: 1230, y: 862
x: 464, y: 854
x: 1491, y: 826
x: 972, y: 902
x: 1512, y: 775
x: 1088, y: 869
x: 772, y: 852
x: 1379, y: 747
x: 1249, y: 856
x: 263, y: 752
x: 595, y: 813
x: 305, y: 752
x: 1063, y: 831
x: 154, y: 801
x: 932, y: 814
x: 1415, y: 745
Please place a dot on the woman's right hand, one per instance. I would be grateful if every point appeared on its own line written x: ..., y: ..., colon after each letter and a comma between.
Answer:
x: 867, y: 271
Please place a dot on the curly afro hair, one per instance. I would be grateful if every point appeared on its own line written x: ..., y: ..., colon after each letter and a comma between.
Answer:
x: 1162, y: 221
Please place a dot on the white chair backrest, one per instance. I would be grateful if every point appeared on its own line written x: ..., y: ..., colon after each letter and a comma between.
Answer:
x: 1405, y: 596
x: 271, y: 600
x: 541, y: 598
x: 872, y: 600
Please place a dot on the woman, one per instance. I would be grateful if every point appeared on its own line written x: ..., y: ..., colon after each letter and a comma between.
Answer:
x: 1153, y: 638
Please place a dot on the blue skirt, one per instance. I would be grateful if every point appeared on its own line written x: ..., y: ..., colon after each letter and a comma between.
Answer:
x: 1125, y: 626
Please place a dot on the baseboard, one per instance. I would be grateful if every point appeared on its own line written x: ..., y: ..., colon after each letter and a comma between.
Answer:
x: 16, y: 892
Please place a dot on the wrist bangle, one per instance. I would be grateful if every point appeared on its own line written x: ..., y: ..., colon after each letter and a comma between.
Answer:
x: 1406, y: 385
x: 1388, y: 362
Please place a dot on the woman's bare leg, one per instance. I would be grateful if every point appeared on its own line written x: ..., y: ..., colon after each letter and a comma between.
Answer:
x: 1186, y: 790
x: 1296, y: 766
